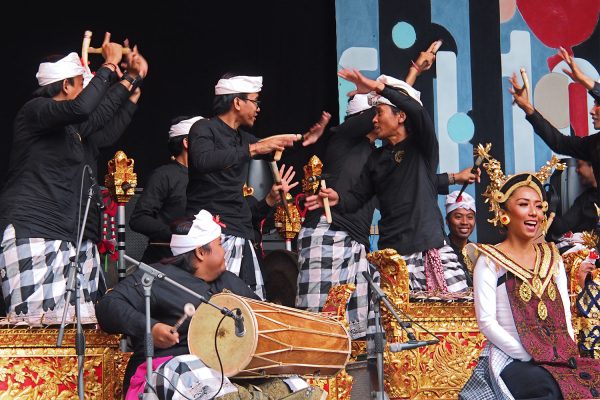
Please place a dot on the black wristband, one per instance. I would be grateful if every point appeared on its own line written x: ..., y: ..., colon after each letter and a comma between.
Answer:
x: 135, y: 82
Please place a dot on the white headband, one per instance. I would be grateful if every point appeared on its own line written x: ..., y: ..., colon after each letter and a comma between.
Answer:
x: 359, y: 102
x: 87, y: 75
x: 67, y: 67
x: 204, y: 230
x: 466, y: 201
x: 375, y: 99
x: 239, y: 84
x: 182, y: 127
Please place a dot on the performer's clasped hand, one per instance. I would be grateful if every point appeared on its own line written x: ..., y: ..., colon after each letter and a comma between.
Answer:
x: 162, y: 336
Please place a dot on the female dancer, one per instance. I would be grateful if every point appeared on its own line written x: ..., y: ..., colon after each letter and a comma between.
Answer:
x: 521, y: 301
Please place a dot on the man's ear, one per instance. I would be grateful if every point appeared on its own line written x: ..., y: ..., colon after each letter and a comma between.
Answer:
x: 66, y: 86
x: 401, y: 117
x: 237, y: 103
x: 185, y: 143
x: 199, y: 253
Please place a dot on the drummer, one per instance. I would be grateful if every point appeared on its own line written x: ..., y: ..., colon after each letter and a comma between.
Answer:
x: 198, y: 264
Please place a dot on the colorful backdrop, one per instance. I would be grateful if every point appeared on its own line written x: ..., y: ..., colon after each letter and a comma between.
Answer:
x: 484, y: 43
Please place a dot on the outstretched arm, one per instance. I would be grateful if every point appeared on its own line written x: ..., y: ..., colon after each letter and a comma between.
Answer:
x: 423, y: 63
x: 573, y: 146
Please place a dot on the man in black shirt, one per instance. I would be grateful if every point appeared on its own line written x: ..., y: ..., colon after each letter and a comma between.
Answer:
x: 583, y: 148
x: 163, y: 198
x: 582, y: 215
x: 402, y: 174
x: 199, y: 265
x: 39, y: 201
x: 122, y: 103
x: 219, y: 153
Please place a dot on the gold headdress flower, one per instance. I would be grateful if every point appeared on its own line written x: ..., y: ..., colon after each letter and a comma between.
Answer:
x: 501, y: 186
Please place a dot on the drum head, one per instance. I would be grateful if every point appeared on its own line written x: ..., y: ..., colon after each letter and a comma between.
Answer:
x: 235, y: 352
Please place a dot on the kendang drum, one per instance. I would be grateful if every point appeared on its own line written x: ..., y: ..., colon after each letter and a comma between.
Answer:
x: 278, y: 340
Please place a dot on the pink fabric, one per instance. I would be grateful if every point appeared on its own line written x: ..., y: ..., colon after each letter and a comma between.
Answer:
x: 434, y: 272
x: 138, y: 380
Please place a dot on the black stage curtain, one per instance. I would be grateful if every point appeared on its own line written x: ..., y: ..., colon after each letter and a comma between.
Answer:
x: 188, y: 45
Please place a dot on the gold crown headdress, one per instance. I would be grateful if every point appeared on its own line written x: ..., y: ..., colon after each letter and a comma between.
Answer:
x: 501, y: 186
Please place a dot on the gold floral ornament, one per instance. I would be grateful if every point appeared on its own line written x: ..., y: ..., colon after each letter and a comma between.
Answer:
x: 120, y: 179
x: 288, y: 229
x: 313, y: 169
x: 502, y: 186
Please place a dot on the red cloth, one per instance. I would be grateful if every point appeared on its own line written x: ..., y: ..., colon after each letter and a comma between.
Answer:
x: 138, y: 380
x: 549, y: 344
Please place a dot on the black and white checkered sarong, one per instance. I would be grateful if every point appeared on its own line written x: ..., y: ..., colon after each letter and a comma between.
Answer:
x: 34, y: 278
x: 485, y: 382
x: 234, y: 251
x: 187, y: 376
x: 327, y: 258
x: 453, y: 273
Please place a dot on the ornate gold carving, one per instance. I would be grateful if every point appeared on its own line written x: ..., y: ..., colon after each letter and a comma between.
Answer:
x: 338, y: 387
x: 286, y: 228
x: 358, y: 348
x: 32, y: 367
x: 120, y: 173
x: 337, y: 301
x: 313, y: 168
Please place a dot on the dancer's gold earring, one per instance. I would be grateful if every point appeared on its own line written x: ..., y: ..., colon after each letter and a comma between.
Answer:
x: 504, y: 219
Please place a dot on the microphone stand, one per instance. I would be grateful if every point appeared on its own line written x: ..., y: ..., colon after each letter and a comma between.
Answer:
x: 73, y: 285
x: 147, y: 279
x: 378, y: 296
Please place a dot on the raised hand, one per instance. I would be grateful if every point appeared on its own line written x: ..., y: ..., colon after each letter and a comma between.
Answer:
x: 363, y: 84
x: 316, y: 131
x: 273, y: 197
x: 520, y: 97
x: 575, y: 73
x: 112, y: 52
x: 136, y: 63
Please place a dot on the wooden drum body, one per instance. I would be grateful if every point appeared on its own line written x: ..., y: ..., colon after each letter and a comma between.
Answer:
x: 278, y: 340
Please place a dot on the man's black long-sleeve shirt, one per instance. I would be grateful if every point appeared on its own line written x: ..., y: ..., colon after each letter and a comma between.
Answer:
x: 580, y: 217
x: 403, y: 177
x: 117, y: 104
x: 41, y: 194
x: 218, y: 164
x: 122, y: 309
x: 584, y: 148
x: 347, y: 152
x: 161, y: 202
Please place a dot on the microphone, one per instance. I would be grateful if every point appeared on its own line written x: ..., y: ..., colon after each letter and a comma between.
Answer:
x: 478, y: 162
x: 188, y: 311
x: 411, y: 344
x: 96, y: 189
x: 316, y: 178
x: 240, y: 331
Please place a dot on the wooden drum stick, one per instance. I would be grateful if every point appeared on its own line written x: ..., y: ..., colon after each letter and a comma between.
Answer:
x: 526, y: 83
x: 326, y: 204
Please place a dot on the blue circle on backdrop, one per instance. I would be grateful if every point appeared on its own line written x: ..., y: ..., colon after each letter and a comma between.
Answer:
x: 461, y: 128
x: 404, y: 35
